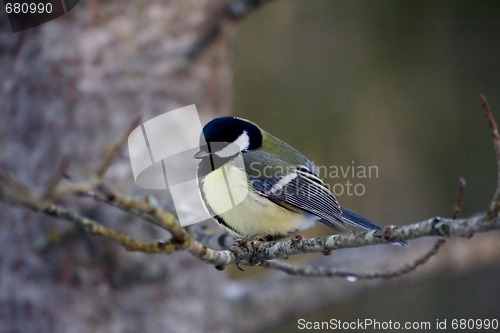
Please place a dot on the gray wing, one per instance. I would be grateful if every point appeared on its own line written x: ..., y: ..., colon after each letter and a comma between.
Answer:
x: 302, y: 190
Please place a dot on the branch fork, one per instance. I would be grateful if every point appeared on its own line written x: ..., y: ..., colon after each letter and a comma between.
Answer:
x: 254, y: 252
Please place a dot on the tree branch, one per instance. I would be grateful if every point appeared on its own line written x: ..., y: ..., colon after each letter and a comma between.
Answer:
x: 457, y: 208
x: 353, y: 276
x: 488, y: 113
x: 246, y: 252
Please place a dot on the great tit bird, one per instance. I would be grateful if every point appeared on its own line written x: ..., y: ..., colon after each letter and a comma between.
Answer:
x: 285, y: 193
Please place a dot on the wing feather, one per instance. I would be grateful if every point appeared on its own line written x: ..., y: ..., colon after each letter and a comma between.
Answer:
x: 305, y: 191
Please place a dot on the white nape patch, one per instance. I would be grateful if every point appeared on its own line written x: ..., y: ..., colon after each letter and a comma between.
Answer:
x: 242, y: 142
x: 283, y: 182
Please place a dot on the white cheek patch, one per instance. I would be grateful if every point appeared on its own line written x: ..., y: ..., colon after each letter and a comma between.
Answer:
x: 240, y: 144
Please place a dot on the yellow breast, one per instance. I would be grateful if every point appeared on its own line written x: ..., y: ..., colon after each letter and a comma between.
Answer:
x: 252, y: 214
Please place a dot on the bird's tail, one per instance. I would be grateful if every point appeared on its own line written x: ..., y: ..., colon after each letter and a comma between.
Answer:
x: 362, y: 222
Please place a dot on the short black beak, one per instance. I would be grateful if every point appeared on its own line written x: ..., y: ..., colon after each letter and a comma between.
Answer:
x: 202, y: 153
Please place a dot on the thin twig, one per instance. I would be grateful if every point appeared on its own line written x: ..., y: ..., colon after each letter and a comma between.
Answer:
x: 457, y: 208
x: 312, y: 271
x: 96, y: 228
x: 488, y: 113
x: 117, y: 150
x: 167, y: 221
x: 54, y: 180
x: 163, y: 219
x: 9, y: 183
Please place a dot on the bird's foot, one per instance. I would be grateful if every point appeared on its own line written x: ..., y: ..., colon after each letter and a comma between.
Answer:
x: 245, y: 247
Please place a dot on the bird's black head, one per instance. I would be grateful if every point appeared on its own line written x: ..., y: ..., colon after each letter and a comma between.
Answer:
x: 221, y: 132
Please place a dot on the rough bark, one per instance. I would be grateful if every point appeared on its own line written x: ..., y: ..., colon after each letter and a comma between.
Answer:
x: 70, y: 88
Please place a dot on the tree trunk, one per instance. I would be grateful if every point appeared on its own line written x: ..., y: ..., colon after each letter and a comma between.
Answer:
x: 71, y: 87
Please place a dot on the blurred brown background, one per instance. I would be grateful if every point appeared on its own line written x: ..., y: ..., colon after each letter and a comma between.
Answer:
x: 394, y: 84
